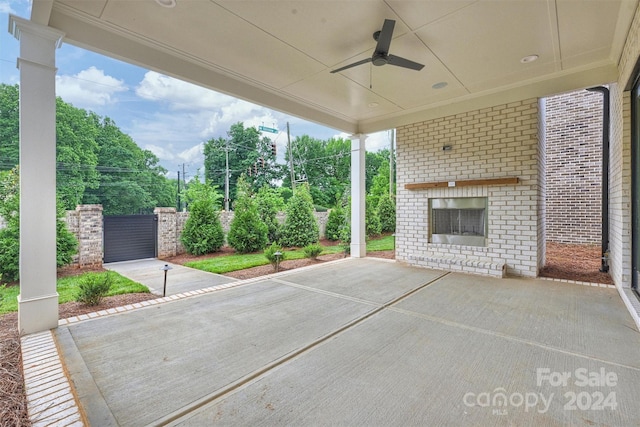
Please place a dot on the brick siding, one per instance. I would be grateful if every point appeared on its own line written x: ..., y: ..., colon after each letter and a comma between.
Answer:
x: 573, y: 134
x: 496, y: 142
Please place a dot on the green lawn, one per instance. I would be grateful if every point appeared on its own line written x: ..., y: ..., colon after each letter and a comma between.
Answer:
x: 67, y: 288
x: 226, y: 264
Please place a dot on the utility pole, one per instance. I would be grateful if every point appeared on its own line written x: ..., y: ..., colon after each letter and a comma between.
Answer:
x: 184, y: 183
x: 391, y: 172
x: 179, y: 191
x: 293, y: 181
x: 226, y: 178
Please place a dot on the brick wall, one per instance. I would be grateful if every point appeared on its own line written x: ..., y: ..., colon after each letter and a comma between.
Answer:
x: 620, y: 162
x: 573, y: 134
x: 496, y: 142
x: 171, y: 224
x: 86, y: 224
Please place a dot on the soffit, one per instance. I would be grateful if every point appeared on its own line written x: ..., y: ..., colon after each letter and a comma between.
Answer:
x: 280, y: 53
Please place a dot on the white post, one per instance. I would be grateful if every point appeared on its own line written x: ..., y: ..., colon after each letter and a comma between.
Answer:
x: 38, y: 299
x: 358, y: 194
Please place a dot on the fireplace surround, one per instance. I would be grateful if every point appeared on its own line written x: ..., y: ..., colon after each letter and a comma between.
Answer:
x: 458, y: 221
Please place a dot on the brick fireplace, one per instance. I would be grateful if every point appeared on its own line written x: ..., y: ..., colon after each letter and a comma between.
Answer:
x: 483, y: 148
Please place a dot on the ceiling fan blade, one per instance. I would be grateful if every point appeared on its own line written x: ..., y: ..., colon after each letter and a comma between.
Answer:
x: 384, y: 39
x: 355, y: 64
x: 404, y: 63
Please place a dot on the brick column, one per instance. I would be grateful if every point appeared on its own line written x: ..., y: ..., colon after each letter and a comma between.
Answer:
x: 90, y: 232
x: 167, y: 232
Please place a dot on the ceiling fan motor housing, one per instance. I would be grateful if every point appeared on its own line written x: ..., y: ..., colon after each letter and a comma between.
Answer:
x: 379, y: 59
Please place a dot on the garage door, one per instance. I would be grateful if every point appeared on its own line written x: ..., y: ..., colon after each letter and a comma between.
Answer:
x: 128, y: 237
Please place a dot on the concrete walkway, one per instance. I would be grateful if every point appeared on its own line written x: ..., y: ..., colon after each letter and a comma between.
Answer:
x: 180, y: 279
x: 363, y: 342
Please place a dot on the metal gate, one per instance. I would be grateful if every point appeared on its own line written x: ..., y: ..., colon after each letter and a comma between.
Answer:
x: 128, y: 237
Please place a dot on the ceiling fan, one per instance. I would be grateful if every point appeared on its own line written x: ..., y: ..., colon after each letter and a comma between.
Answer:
x: 381, y: 53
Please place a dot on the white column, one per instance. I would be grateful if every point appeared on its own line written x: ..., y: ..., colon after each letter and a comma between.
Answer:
x: 358, y: 194
x: 38, y: 299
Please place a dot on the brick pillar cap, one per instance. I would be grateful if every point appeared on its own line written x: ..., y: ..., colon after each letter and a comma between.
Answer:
x: 89, y: 208
x: 164, y: 210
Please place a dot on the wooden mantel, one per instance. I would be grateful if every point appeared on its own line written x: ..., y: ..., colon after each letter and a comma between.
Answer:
x: 465, y: 183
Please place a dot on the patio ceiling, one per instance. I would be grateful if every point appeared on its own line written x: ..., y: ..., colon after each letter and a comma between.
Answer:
x: 280, y: 53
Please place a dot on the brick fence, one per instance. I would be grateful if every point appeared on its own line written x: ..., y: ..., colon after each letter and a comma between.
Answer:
x: 86, y: 223
x: 171, y: 223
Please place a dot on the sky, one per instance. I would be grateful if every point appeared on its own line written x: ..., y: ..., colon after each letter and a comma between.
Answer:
x: 169, y: 117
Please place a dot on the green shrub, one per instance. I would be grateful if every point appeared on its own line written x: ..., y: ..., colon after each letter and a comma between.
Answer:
x: 202, y: 233
x: 372, y: 221
x: 300, y: 227
x: 270, y: 252
x: 346, y: 248
x: 66, y: 243
x: 312, y: 251
x: 10, y: 253
x: 387, y: 214
x: 246, y: 233
x: 269, y: 202
x: 335, y: 222
x: 93, y: 288
x: 345, y: 228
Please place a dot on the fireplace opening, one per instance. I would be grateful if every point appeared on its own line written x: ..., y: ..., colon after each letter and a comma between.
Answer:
x: 459, y: 221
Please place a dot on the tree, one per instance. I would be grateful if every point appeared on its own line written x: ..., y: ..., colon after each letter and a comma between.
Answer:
x: 202, y: 232
x: 9, y: 126
x: 269, y: 204
x: 76, y: 152
x: 380, y: 184
x: 300, y: 226
x: 248, y: 152
x: 130, y: 179
x: 387, y: 214
x: 247, y: 232
x: 66, y: 243
x: 96, y: 162
x: 324, y: 165
x: 374, y: 160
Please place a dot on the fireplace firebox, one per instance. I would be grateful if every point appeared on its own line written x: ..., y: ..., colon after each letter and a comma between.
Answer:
x: 458, y: 221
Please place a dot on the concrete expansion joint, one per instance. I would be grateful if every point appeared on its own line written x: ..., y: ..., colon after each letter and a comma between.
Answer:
x: 256, y: 375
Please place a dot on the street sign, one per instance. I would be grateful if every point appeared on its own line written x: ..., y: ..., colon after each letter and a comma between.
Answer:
x: 266, y: 129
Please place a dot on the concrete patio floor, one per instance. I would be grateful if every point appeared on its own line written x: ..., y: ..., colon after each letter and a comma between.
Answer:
x: 363, y: 342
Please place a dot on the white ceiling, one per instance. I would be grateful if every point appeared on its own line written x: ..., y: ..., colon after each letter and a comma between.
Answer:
x: 279, y: 53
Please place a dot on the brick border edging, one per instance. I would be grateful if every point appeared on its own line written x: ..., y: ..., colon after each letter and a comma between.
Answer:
x: 578, y: 282
x: 50, y: 398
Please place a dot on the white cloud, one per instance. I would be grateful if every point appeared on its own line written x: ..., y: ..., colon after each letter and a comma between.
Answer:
x: 193, y: 155
x: 5, y: 7
x: 209, y: 113
x: 17, y: 7
x: 163, y: 153
x: 89, y: 88
x: 180, y: 95
x: 378, y: 141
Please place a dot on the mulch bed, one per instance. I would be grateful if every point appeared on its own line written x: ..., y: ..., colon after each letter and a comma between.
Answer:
x: 573, y: 262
